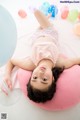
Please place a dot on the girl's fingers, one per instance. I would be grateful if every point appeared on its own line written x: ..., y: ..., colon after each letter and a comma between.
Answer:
x: 4, y: 91
x: 9, y: 83
x: 49, y: 16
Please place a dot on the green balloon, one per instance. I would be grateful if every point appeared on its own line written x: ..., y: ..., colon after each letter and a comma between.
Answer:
x: 73, y: 15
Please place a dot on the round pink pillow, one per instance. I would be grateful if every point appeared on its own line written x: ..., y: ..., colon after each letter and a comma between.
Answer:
x: 67, y: 93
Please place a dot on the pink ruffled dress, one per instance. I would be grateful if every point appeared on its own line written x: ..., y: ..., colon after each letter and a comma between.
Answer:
x: 45, y: 45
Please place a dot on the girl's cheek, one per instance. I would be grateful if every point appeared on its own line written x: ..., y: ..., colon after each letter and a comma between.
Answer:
x: 48, y: 73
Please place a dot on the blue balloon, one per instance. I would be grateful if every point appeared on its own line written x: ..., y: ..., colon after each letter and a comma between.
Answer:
x: 8, y: 35
x: 53, y: 10
x: 44, y: 8
x: 46, y: 4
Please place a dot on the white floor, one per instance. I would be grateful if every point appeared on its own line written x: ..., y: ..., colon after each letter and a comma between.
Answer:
x: 69, y: 45
x: 23, y: 110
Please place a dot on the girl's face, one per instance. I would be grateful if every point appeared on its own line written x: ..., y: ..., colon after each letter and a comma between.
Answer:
x: 41, y: 78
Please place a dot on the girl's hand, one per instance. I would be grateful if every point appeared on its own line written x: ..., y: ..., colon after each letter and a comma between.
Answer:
x: 7, y: 80
x: 6, y: 84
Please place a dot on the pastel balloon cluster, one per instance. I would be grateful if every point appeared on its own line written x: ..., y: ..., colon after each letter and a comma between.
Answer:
x: 72, y: 15
x: 46, y: 8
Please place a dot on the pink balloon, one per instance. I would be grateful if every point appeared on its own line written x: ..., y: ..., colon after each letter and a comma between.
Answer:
x: 64, y: 12
x: 22, y: 13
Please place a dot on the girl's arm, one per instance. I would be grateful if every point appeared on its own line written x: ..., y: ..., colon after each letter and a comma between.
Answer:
x: 67, y: 63
x: 26, y: 64
x: 42, y: 19
x: 9, y: 67
x: 7, y: 75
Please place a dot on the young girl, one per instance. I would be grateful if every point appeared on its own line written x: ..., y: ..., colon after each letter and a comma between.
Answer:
x: 45, y: 62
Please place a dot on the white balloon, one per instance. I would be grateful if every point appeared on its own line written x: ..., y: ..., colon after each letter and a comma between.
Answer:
x: 8, y: 35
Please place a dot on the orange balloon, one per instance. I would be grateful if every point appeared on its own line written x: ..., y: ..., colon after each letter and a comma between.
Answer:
x: 79, y: 16
x: 77, y: 29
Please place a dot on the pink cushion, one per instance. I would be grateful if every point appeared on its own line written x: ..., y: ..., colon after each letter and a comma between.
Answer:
x: 67, y: 93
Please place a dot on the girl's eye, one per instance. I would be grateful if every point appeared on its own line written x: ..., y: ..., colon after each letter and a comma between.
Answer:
x: 44, y: 79
x: 35, y: 77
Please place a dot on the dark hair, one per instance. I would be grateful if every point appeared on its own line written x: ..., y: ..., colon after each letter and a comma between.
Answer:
x: 43, y: 96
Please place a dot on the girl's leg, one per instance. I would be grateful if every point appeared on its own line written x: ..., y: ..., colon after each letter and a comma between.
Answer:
x: 42, y: 19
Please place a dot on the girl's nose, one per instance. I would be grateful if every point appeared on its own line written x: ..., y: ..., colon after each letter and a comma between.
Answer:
x: 41, y: 73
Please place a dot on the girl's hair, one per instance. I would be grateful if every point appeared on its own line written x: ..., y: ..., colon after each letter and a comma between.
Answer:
x: 43, y: 96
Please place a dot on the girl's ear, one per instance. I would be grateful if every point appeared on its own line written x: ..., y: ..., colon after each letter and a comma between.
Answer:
x: 56, y: 72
